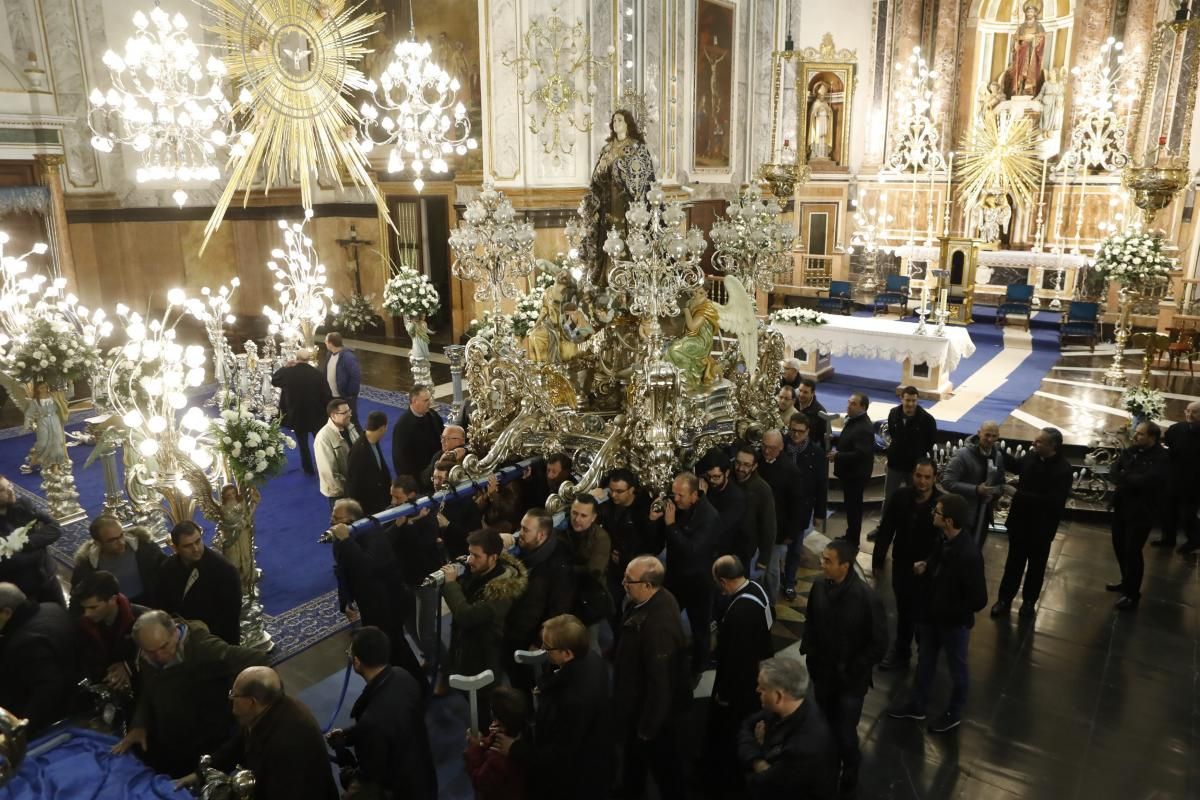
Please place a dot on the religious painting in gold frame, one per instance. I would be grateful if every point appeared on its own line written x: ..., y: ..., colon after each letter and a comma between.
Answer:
x: 714, y: 60
x: 825, y: 83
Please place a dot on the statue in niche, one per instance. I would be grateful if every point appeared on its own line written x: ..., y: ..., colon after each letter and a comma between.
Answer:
x: 1028, y: 49
x: 1051, y: 98
x: 621, y: 178
x: 820, y: 124
x: 994, y: 217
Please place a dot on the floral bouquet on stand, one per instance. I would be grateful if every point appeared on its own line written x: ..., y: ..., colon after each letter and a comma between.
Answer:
x: 355, y: 315
x: 409, y: 293
x: 253, y: 449
x: 1143, y: 403
x: 1133, y: 259
x: 52, y: 352
x: 797, y: 316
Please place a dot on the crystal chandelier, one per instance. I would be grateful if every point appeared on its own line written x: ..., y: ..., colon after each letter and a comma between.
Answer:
x: 751, y: 243
x: 414, y: 108
x: 304, y: 299
x: 165, y: 104
x: 493, y: 250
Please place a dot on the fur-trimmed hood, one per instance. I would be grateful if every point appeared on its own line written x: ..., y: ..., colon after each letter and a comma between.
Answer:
x: 135, y: 537
x: 511, y: 581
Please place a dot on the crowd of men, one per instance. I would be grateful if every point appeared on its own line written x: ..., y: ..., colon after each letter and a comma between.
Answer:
x: 602, y: 594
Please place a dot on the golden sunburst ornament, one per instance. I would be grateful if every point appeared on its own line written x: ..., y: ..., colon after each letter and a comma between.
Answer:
x: 1000, y: 156
x: 295, y: 60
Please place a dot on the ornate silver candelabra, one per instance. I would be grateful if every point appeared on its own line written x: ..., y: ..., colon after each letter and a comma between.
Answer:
x: 751, y: 242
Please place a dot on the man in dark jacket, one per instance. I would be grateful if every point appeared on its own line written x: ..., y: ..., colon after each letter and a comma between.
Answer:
x: 37, y: 658
x: 31, y: 570
x: 908, y: 525
x: 107, y: 650
x: 418, y: 549
x: 418, y: 433
x: 1140, y: 475
x: 814, y: 489
x: 954, y: 589
x: 853, y: 460
x: 727, y: 498
x: 758, y: 524
x: 743, y: 640
x: 129, y: 555
x: 911, y: 430
x: 343, y: 374
x: 549, y: 592
x: 200, y: 583
x: 570, y: 754
x: 976, y: 473
x: 787, y: 749
x: 389, y: 737
x: 652, y: 686
x: 182, y: 708
x: 1183, y: 448
x: 278, y: 740
x: 781, y: 474
x: 845, y: 636
x: 303, y: 397
x: 808, y: 405
x: 368, y: 479
x: 691, y: 526
x: 626, y: 517
x: 1037, y: 508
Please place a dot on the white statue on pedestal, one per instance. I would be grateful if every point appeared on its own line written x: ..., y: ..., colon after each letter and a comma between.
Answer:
x: 994, y: 217
x: 1051, y: 98
x: 820, y: 126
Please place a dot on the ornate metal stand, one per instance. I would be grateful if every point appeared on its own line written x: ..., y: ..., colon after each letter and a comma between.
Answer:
x: 420, y: 370
x: 456, y: 353
x: 1115, y: 376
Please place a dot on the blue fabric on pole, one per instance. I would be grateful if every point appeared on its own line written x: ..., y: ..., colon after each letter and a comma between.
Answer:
x: 82, y: 768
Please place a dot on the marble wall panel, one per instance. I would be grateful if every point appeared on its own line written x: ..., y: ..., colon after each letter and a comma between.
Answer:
x: 70, y: 81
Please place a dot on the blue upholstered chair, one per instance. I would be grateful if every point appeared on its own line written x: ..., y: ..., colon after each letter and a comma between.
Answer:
x: 1018, y: 300
x: 895, y: 293
x: 1081, y: 321
x: 838, y: 300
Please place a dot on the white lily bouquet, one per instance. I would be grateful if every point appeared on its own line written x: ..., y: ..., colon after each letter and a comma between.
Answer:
x: 52, y: 351
x: 1132, y: 258
x: 1144, y: 403
x: 409, y: 293
x: 354, y: 315
x: 254, y: 450
x: 797, y: 316
x: 15, y: 541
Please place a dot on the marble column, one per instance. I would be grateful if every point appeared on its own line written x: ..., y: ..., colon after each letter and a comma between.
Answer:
x: 50, y: 174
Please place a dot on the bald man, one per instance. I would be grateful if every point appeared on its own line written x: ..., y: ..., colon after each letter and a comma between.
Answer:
x: 977, y: 473
x: 278, y: 739
x: 1183, y: 447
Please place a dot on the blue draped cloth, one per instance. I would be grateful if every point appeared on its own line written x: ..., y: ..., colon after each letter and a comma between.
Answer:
x: 82, y: 769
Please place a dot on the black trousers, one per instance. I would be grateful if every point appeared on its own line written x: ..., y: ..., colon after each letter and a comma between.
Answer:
x: 907, y: 591
x: 695, y: 596
x: 1129, y: 539
x: 306, y: 456
x: 842, y: 711
x: 1027, y: 554
x: 660, y: 757
x: 1181, y: 513
x: 852, y: 492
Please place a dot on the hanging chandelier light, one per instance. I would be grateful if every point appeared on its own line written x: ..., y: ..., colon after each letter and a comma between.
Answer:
x: 166, y: 104
x: 414, y: 108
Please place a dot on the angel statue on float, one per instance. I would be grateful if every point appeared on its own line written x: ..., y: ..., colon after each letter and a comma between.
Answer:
x: 691, y: 353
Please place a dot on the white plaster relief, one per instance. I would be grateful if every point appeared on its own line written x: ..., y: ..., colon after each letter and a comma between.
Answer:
x: 504, y: 114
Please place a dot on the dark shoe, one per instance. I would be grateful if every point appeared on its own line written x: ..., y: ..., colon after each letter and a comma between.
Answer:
x: 1127, y: 603
x: 908, y: 711
x: 945, y: 723
x: 1001, y: 608
x: 893, y: 661
x: 1163, y: 543
x: 1114, y: 587
x: 790, y: 593
x: 1028, y: 610
x: 871, y: 536
x: 1187, y: 548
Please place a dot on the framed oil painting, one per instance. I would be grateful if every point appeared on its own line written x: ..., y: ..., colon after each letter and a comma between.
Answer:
x: 713, y: 96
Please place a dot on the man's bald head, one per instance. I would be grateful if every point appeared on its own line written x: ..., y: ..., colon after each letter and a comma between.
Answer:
x: 1192, y: 412
x: 260, y: 684
x: 773, y: 437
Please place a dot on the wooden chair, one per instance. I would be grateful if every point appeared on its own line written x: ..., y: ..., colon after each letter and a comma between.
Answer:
x: 1183, y: 345
x: 1080, y: 321
x: 839, y: 299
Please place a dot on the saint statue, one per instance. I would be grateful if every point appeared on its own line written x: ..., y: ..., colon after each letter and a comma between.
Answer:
x: 692, y: 352
x: 994, y: 217
x: 991, y: 101
x: 621, y: 178
x: 560, y: 326
x: 820, y: 124
x: 1028, y: 48
x: 1051, y: 98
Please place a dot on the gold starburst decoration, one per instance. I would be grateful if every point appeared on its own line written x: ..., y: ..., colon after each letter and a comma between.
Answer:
x: 296, y: 62
x: 1000, y: 157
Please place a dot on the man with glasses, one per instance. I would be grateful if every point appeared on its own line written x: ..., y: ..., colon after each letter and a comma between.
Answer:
x: 652, y: 687
x: 758, y: 523
x: 31, y: 569
x: 727, y: 498
x: 954, y: 590
x: 129, y: 555
x: 182, y: 709
x: 418, y: 433
x: 333, y: 443
x: 813, y: 491
x: 454, y: 450
x: 626, y: 517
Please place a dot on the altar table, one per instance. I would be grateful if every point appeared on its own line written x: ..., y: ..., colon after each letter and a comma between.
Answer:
x: 927, y: 360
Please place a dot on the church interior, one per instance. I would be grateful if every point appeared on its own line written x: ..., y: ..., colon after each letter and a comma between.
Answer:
x: 606, y: 229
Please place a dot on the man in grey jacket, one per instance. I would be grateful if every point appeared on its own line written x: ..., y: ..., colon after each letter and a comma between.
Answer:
x: 977, y: 473
x: 332, y: 445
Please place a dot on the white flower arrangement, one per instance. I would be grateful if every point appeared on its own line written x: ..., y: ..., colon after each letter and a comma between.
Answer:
x: 254, y: 450
x: 51, y: 351
x: 797, y: 316
x: 1131, y: 258
x: 15, y: 541
x: 410, y: 293
x: 354, y: 315
x: 1144, y: 402
x: 485, y: 328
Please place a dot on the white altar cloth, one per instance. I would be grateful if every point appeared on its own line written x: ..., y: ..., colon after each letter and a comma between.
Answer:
x: 884, y: 339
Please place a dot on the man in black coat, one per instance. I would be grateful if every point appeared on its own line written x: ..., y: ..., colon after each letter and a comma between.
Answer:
x: 743, y: 641
x: 853, y: 460
x: 199, y: 583
x: 759, y: 521
x: 31, y: 570
x: 1037, y: 507
x: 303, y: 397
x: 1140, y: 475
x: 1183, y: 448
x: 810, y: 406
x: 782, y: 475
x: 954, y: 589
x: 419, y: 550
x: 691, y: 526
x: 389, y: 737
x: 845, y: 636
x: 418, y: 433
x: 911, y: 430
x: 550, y: 590
x: 626, y: 517
x: 810, y: 461
x: 37, y: 658
x: 368, y: 479
x: 570, y: 754
x: 787, y: 749
x: 908, y: 529
x: 727, y: 498
x: 652, y: 686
